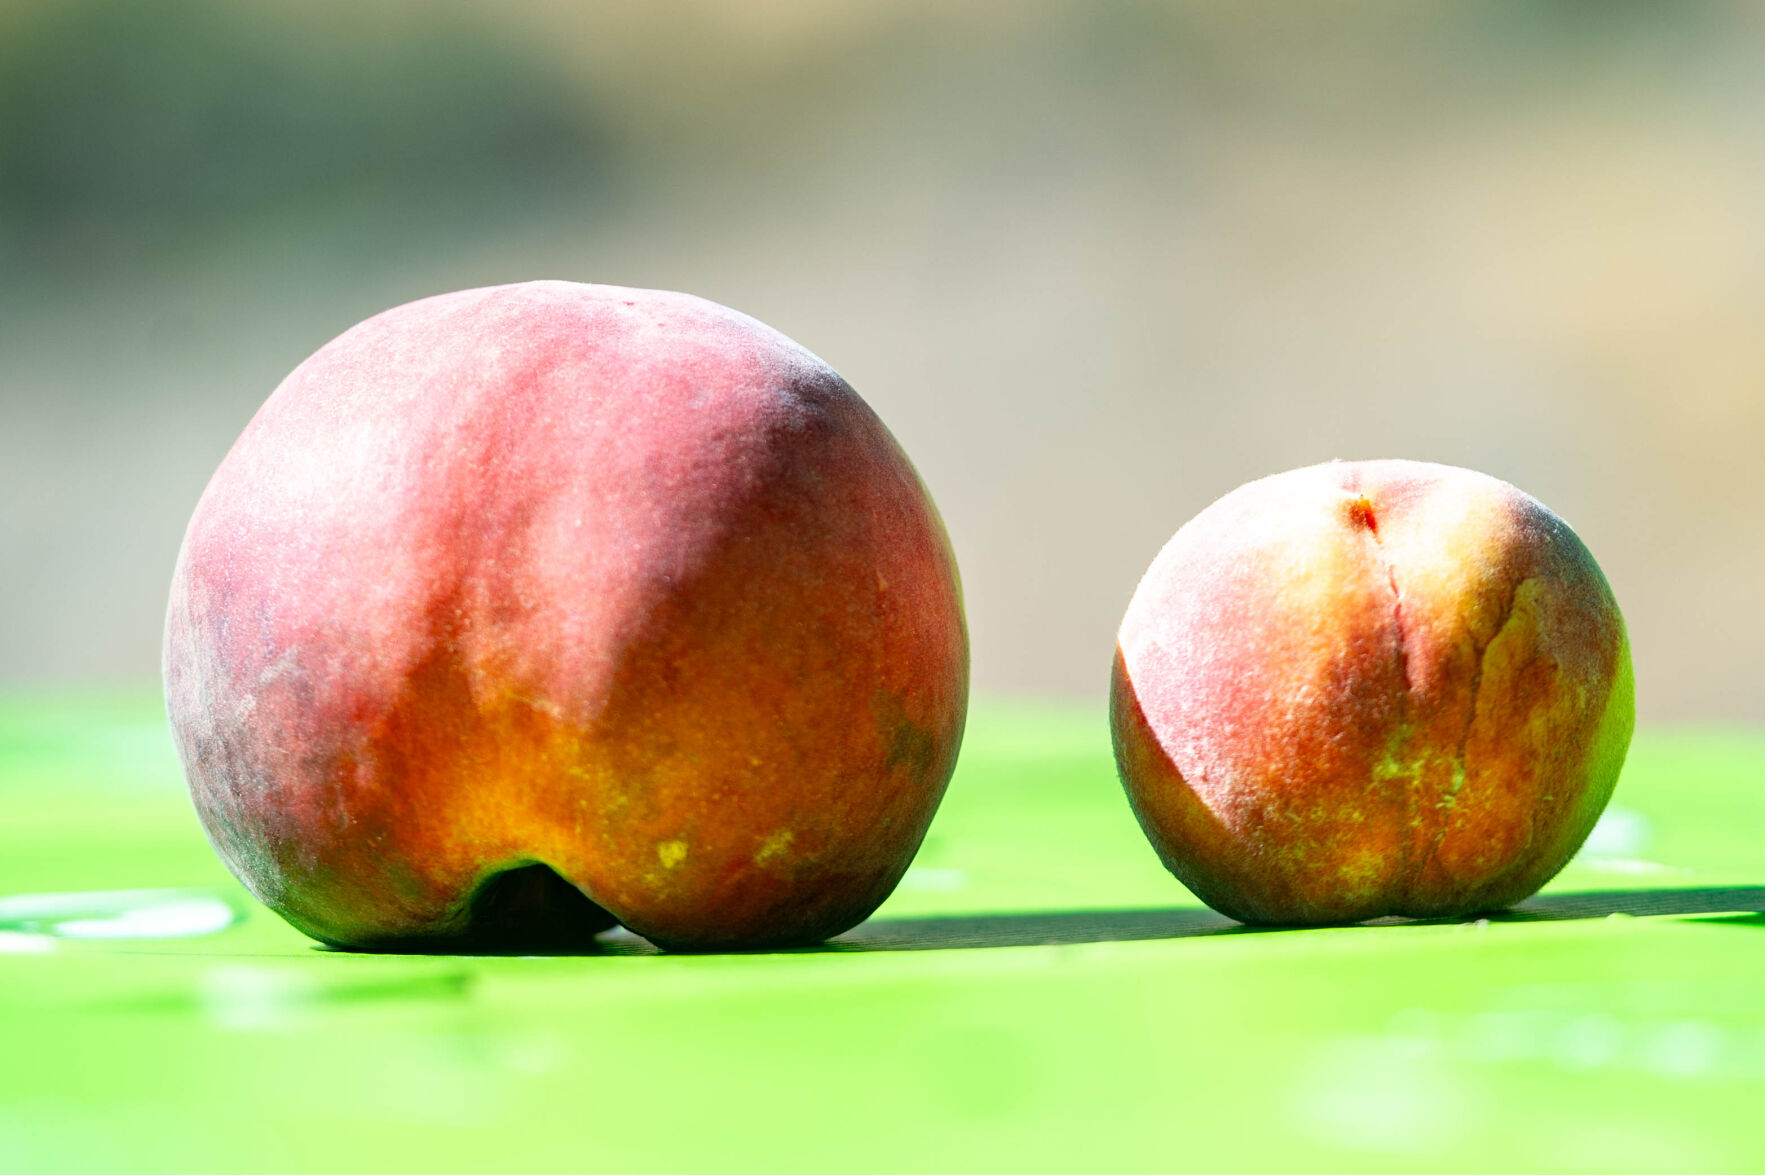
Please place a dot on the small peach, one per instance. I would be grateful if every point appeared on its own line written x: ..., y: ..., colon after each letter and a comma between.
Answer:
x: 1371, y: 688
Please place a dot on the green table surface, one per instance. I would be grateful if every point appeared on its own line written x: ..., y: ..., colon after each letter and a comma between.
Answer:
x: 1038, y: 995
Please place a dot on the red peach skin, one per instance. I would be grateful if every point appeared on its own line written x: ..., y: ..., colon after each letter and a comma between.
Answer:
x: 616, y: 595
x: 1371, y: 688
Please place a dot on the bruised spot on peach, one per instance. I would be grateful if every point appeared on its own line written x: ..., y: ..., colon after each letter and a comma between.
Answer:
x: 1373, y: 688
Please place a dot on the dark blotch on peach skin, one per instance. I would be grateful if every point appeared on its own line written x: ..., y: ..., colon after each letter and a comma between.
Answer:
x: 1367, y: 689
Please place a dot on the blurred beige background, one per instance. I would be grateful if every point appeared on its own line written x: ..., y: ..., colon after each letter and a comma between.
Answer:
x: 1095, y: 263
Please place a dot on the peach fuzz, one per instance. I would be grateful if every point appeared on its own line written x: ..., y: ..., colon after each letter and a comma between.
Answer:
x: 518, y: 611
x: 1370, y: 688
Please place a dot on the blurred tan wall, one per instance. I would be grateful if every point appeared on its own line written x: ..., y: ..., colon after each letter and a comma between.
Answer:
x: 1095, y: 264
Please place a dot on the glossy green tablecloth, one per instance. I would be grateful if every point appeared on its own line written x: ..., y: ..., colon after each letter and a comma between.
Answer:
x: 1038, y: 995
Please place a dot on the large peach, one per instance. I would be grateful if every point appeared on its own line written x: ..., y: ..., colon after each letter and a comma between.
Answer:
x: 520, y: 610
x: 1370, y: 688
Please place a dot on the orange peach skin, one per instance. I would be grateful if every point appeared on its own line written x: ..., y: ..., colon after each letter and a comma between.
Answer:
x: 1371, y: 688
x: 616, y: 595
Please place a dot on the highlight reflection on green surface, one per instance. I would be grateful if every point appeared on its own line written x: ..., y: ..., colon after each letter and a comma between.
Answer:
x: 1113, y: 1022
